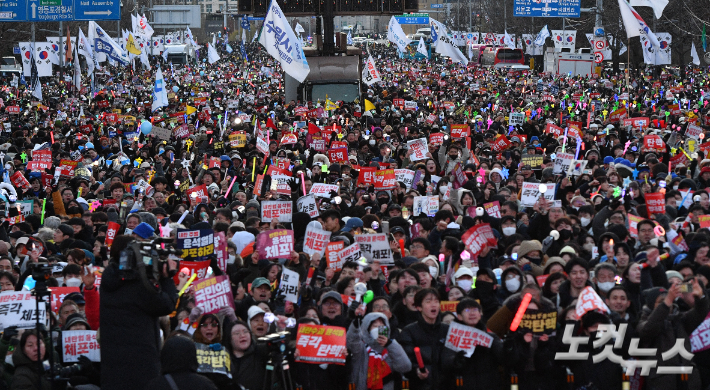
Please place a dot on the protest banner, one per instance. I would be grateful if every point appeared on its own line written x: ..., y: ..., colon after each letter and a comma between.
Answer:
x: 655, y: 203
x: 307, y: 204
x: 321, y: 190
x: 531, y: 193
x: 213, y: 293
x: 538, y: 322
x: 195, y: 244
x: 211, y: 361
x: 418, y: 149
x: 315, y: 240
x: 492, y: 208
x: 320, y: 344
x: 289, y: 284
x: 465, y: 338
x: 375, y: 247
x: 366, y: 176
x: 18, y: 308
x: 274, y: 244
x: 385, y: 180
x: 279, y: 209
x: 58, y: 294
x: 77, y: 343
x: 332, y: 255
x: 405, y: 176
x: 220, y: 250
x: 589, y: 300
x: 533, y: 160
x: 562, y: 163
x: 350, y: 253
x: 478, y: 237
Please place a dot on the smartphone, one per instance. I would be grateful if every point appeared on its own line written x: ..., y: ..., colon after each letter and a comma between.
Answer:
x: 686, y: 287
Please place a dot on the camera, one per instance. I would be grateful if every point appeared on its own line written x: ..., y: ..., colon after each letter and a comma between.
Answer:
x: 41, y: 272
x: 276, y: 342
x: 146, y: 260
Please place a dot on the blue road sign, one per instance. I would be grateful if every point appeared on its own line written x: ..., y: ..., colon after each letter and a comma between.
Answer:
x: 16, y: 50
x: 414, y: 19
x: 437, y: 6
x: 97, y: 10
x: 547, y: 8
x: 50, y: 11
x: 13, y: 11
x: 255, y: 18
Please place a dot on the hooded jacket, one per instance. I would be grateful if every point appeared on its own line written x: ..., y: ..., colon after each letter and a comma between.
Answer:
x: 27, y: 374
x: 249, y: 370
x: 359, y: 338
x: 179, y: 359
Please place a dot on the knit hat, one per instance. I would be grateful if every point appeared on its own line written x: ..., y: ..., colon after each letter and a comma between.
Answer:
x: 143, y: 230
x: 529, y: 246
x: 673, y: 274
x: 567, y: 249
x: 76, y: 318
x: 331, y: 295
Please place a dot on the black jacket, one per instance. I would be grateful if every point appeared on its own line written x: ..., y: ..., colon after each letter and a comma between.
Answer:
x: 480, y: 371
x: 179, y: 359
x: 438, y: 359
x: 130, y: 333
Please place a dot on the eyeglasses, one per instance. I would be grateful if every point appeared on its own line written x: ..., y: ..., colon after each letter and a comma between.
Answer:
x: 416, y: 247
x: 380, y: 307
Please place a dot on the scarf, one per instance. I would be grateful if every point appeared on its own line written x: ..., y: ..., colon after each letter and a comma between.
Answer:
x: 377, y: 369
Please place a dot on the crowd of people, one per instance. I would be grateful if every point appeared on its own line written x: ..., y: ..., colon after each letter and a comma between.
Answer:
x: 578, y: 200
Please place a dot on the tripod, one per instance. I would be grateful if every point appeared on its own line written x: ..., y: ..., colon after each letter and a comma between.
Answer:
x: 40, y: 273
x: 280, y: 376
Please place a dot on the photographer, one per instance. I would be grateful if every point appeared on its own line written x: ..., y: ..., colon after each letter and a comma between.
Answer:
x: 130, y: 342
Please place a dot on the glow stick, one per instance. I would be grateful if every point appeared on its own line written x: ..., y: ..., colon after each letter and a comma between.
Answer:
x: 44, y: 202
x: 187, y: 285
x: 303, y: 183
x: 230, y: 186
x: 521, y: 311
x: 253, y: 168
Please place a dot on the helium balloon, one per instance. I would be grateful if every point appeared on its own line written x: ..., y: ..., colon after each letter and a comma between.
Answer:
x: 368, y: 297
x: 146, y: 127
x: 175, y: 88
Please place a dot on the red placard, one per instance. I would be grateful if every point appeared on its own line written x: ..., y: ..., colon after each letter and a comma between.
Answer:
x: 460, y: 131
x: 102, y: 103
x: 331, y: 255
x: 679, y: 158
x: 674, y: 109
x: 12, y: 110
x: 478, y: 237
x: 366, y: 176
x: 193, y: 267
x: 617, y: 115
x: 653, y: 142
x: 198, y: 191
x: 320, y: 344
x: 501, y: 143
x: 436, y: 138
x: 111, y: 231
x: 47, y: 179
x: 38, y: 166
x: 640, y: 122
x: 655, y: 203
x: 19, y: 180
x: 338, y: 155
x: 398, y: 102
x: 385, y: 179
x: 111, y: 118
x: 42, y: 155
x: 58, y: 294
x: 215, y: 162
x: 555, y: 130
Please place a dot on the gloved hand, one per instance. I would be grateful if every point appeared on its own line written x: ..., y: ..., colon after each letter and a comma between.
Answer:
x: 195, y: 314
x: 85, y: 363
x: 228, y: 312
x: 9, y: 333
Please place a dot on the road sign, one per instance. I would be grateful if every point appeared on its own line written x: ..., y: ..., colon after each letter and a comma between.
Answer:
x: 599, y: 44
x: 59, y: 10
x: 547, y: 8
x: 599, y: 32
x: 42, y: 11
x: 413, y: 19
x: 16, y: 50
x: 86, y: 10
x: 598, y: 57
x: 437, y: 6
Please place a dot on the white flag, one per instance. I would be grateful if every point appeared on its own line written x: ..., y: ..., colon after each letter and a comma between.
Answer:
x: 421, y: 48
x: 542, y: 36
x: 144, y: 59
x: 147, y: 31
x: 634, y: 24
x: 396, y: 35
x: 160, y: 95
x: 214, y: 40
x: 694, y: 55
x: 509, y: 40
x: 212, y: 55
x: 657, y: 5
x: 189, y: 38
x: 77, y: 71
x: 281, y: 42
x: 370, y: 75
x: 299, y: 29
x: 444, y: 45
x: 85, y: 50
x: 37, y: 52
x: 350, y: 38
x: 105, y: 45
x: 165, y: 55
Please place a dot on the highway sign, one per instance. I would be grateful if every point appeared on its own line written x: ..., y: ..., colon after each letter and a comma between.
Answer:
x: 413, y: 19
x: 437, y: 6
x: 547, y: 8
x: 59, y: 10
x: 598, y: 57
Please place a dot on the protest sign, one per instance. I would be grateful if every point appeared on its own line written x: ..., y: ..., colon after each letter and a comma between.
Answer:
x: 531, y: 193
x: 700, y: 338
x: 321, y: 190
x: 77, y: 343
x: 213, y: 293
x: 693, y: 131
x: 385, y: 180
x: 589, y: 300
x: 538, y: 322
x: 162, y: 133
x: 655, y: 203
x: 638, y: 122
x: 478, y: 237
x: 375, y: 247
x: 460, y: 131
x: 405, y: 176
x: 332, y: 255
x: 198, y: 268
x: 315, y: 240
x: 516, y: 118
x: 436, y: 138
x: 350, y: 253
x: 274, y: 244
x: 38, y: 166
x: 448, y: 306
x: 562, y: 162
x: 307, y: 204
x: 211, y: 361
x: 195, y: 244
x: 466, y: 338
x: 338, y: 155
x: 704, y: 221
x: 501, y: 143
x: 111, y: 231
x: 633, y: 225
x: 654, y: 142
x: 18, y: 308
x: 279, y: 209
x: 418, y: 149
x: 26, y: 207
x: 427, y: 205
x: 617, y: 115
x: 533, y: 160
x: 289, y: 285
x: 492, y: 208
x: 320, y: 344
x: 196, y: 193
x: 220, y: 249
x: 58, y: 294
x: 557, y: 131
x: 366, y: 176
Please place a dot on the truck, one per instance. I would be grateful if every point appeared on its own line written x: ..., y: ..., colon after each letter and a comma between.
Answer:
x: 180, y: 54
x: 575, y: 64
x: 10, y: 67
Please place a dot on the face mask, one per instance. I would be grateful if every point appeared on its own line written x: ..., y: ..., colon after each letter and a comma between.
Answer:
x: 74, y: 210
x: 442, y: 190
x: 73, y: 282
x: 372, y: 142
x: 509, y: 231
x: 433, y: 271
x: 605, y: 286
x: 8, y: 360
x: 375, y: 333
x: 484, y: 286
x: 675, y: 188
x: 465, y: 284
x: 565, y: 234
x: 231, y: 259
x: 512, y: 284
x: 60, y: 280
x: 585, y: 221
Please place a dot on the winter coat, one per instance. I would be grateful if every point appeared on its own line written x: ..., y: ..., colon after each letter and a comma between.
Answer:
x: 28, y: 375
x: 359, y: 339
x: 130, y: 332
x: 480, y: 371
x: 248, y: 370
x: 179, y: 359
x: 660, y: 328
x: 438, y: 360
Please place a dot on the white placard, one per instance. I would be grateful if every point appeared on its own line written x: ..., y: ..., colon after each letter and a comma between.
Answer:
x: 281, y: 209
x: 375, y: 247
x: 289, y: 284
x: 80, y: 342
x: 307, y: 204
x: 531, y: 193
x: 316, y: 240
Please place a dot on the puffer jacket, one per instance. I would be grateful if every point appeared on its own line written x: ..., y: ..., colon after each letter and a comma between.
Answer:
x: 28, y: 375
x: 438, y: 359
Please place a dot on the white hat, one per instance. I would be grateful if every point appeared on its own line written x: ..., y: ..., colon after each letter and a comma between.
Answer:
x: 253, y: 312
x: 462, y: 272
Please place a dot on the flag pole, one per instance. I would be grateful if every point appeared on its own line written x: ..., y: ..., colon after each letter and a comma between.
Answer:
x: 628, y: 61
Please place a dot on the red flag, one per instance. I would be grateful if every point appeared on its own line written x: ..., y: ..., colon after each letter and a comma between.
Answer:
x: 68, y: 54
x: 313, y: 129
x: 270, y: 123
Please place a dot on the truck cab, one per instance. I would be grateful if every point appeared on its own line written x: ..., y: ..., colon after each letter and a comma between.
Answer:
x: 180, y: 54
